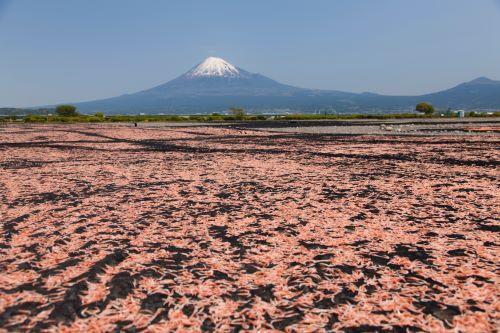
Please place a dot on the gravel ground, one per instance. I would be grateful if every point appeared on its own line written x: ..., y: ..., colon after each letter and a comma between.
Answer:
x: 399, y: 129
x: 447, y: 126
x: 108, y: 228
x: 434, y: 126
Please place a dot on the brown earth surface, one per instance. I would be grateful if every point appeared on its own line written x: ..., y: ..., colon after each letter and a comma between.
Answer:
x: 112, y: 228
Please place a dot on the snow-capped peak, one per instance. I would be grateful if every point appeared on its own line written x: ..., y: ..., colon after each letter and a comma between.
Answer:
x: 213, y: 66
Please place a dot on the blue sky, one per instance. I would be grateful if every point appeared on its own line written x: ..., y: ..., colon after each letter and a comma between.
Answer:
x: 58, y: 50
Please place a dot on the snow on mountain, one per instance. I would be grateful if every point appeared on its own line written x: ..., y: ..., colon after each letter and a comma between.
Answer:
x: 213, y: 66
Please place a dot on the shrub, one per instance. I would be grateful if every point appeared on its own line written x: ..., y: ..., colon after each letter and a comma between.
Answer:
x: 66, y: 111
x: 238, y: 113
x: 425, y: 108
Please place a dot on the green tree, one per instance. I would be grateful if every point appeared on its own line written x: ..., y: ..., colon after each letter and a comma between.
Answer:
x: 66, y: 111
x: 425, y: 108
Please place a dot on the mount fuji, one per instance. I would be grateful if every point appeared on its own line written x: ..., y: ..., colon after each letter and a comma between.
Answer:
x: 212, y: 85
x: 215, y: 85
x: 217, y: 77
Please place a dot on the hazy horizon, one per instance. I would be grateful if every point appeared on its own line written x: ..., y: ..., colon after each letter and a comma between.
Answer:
x: 57, y: 51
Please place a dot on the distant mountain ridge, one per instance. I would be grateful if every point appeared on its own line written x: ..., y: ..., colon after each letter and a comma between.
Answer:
x: 215, y: 85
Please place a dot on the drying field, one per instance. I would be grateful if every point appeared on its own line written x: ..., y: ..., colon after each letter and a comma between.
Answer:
x: 113, y: 228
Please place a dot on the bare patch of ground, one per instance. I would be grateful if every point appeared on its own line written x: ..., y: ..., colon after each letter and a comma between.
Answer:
x: 425, y: 127
x: 114, y: 228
